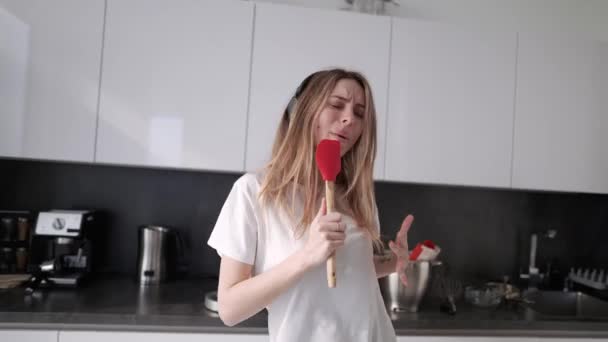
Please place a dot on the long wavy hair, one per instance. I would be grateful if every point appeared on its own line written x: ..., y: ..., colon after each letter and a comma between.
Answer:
x: 292, y: 166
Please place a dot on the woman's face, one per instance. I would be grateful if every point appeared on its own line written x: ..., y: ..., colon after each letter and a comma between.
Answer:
x: 342, y: 116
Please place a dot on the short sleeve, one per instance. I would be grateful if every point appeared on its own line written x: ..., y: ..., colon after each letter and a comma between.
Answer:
x: 235, y: 231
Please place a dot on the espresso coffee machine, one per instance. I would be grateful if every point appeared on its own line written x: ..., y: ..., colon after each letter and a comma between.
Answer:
x: 62, y: 247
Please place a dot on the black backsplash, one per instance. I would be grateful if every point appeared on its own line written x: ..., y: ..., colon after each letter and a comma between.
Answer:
x: 484, y: 233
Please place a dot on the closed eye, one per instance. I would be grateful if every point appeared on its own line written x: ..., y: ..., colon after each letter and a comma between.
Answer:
x: 359, y: 109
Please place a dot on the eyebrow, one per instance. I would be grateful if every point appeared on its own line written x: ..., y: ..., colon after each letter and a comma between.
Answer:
x: 345, y: 99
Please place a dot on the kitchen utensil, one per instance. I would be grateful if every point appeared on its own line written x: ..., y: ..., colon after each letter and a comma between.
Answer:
x: 8, y: 229
x: 50, y: 266
x: 7, y: 259
x: 591, y: 279
x: 21, y: 259
x: 211, y: 304
x: 508, y: 291
x: 328, y: 162
x: 398, y: 297
x: 211, y: 301
x: 23, y: 228
x: 8, y: 281
x: 453, y: 290
x: 158, y: 252
x: 427, y: 250
x: 488, y: 295
x: 450, y: 289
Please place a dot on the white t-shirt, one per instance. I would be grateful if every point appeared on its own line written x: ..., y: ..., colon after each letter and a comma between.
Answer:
x: 309, y: 310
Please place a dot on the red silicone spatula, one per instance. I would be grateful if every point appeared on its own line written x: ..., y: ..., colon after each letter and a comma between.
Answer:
x: 328, y: 162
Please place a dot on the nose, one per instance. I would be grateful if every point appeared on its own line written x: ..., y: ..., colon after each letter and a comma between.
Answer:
x: 347, y: 116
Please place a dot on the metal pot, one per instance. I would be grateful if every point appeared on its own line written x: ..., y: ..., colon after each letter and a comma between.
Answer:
x: 400, y: 298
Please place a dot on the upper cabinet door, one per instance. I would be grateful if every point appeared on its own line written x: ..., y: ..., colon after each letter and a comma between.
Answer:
x: 50, y: 53
x: 292, y: 42
x: 175, y: 83
x: 561, y: 120
x: 450, y: 105
x: 129, y: 336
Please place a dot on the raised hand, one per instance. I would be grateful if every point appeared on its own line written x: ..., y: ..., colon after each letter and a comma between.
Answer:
x: 400, y: 248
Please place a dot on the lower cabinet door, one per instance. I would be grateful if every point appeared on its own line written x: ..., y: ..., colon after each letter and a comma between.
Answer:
x: 122, y: 336
x: 465, y: 339
x: 28, y: 335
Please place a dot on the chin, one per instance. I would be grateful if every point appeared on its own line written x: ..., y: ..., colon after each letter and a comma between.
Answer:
x: 343, y: 151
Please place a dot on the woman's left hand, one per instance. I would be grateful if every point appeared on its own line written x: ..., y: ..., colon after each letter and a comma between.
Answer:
x: 400, y: 248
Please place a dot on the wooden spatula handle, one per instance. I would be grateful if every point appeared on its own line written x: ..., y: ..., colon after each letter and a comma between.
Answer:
x: 331, y: 261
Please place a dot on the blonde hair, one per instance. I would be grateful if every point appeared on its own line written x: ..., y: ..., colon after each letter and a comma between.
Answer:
x: 292, y: 165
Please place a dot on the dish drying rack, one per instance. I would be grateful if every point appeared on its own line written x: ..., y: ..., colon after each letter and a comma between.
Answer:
x: 597, y: 279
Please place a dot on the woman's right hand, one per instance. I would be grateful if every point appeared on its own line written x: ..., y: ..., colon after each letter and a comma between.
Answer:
x: 326, y: 234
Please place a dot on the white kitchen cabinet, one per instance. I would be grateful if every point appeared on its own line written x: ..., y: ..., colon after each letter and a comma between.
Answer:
x: 572, y: 339
x: 561, y: 117
x: 175, y: 83
x: 292, y: 42
x: 114, y: 336
x: 50, y: 55
x: 29, y: 335
x: 450, y: 118
x: 469, y: 339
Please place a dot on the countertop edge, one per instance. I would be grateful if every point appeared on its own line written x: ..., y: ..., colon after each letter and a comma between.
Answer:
x: 523, y: 333
x: 482, y: 332
x: 132, y: 328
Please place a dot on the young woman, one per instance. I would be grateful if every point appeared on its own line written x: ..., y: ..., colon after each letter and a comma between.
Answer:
x: 274, y: 234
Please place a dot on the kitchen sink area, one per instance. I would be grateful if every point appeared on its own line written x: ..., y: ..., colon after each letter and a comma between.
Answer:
x: 574, y: 305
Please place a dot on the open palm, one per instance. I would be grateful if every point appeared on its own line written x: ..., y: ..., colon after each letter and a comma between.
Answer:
x: 400, y: 248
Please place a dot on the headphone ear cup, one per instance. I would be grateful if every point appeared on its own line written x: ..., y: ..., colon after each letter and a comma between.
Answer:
x: 294, y: 100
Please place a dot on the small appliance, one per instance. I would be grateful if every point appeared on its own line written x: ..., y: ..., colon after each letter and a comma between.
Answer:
x: 62, y: 247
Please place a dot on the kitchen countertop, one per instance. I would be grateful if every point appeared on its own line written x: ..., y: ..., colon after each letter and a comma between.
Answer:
x: 118, y: 303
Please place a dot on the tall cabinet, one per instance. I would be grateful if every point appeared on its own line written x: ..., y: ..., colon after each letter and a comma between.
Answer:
x: 49, y: 65
x: 450, y: 117
x: 292, y: 42
x: 175, y: 81
x: 561, y: 120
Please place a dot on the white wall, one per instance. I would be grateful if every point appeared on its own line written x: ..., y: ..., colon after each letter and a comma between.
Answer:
x: 587, y: 18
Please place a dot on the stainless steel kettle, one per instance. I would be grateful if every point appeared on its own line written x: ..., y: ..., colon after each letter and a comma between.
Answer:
x: 157, y: 257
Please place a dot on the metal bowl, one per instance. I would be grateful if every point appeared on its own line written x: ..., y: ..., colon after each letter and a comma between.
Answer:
x: 400, y: 298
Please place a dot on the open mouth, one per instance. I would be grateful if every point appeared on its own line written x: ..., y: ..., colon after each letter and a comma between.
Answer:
x: 340, y: 136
